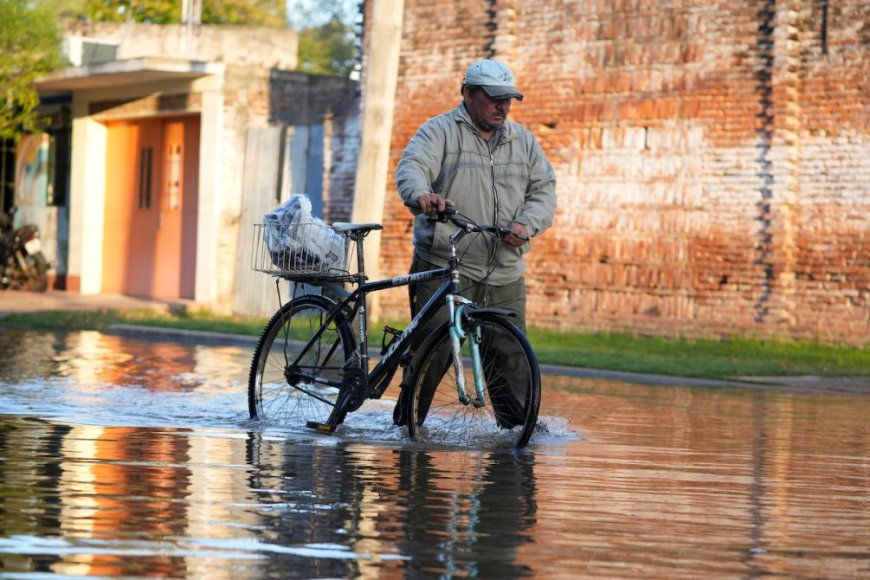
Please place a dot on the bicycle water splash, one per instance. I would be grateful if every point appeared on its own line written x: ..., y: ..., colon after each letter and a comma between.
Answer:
x: 372, y: 423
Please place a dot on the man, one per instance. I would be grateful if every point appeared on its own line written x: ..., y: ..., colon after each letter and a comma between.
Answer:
x: 494, y: 172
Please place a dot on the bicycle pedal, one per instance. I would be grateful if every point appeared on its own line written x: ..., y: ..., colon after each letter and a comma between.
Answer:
x: 322, y: 427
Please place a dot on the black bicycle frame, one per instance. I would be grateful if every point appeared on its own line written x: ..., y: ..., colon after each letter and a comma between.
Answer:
x: 377, y: 381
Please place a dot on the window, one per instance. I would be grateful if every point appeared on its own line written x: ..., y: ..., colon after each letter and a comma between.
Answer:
x: 146, y: 160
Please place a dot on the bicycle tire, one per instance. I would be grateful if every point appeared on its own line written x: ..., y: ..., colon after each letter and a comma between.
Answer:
x: 271, y: 398
x: 513, y: 389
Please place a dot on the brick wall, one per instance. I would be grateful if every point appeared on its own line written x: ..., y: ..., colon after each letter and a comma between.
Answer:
x: 713, y: 159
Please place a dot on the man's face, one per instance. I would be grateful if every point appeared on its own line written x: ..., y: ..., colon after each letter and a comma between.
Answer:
x: 487, y: 113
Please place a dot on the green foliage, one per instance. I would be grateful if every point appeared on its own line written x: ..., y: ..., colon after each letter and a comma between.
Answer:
x: 326, y: 35
x: 304, y: 14
x: 713, y: 359
x: 327, y: 49
x: 152, y: 11
x: 29, y: 47
x: 247, y: 12
x: 236, y: 12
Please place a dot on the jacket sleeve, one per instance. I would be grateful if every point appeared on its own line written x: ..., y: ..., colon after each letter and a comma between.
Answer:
x: 540, y: 199
x: 421, y: 161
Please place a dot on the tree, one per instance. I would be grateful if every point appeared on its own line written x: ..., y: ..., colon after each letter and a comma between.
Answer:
x: 240, y: 12
x: 327, y: 39
x: 151, y: 11
x: 248, y: 12
x: 303, y: 14
x: 328, y: 49
x: 29, y: 47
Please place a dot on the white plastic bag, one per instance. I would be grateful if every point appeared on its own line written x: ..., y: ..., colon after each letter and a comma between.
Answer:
x: 298, y: 241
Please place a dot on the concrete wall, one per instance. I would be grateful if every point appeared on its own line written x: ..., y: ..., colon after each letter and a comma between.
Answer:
x: 713, y: 159
x: 243, y: 45
x: 341, y: 126
x: 260, y: 98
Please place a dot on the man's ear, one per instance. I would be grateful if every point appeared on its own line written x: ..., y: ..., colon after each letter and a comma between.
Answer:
x: 462, y: 90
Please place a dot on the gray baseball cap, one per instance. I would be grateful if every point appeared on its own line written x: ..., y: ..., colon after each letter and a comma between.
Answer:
x: 494, y: 77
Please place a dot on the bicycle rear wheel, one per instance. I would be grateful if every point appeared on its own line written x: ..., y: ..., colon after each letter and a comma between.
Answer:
x: 289, y: 382
x: 512, y: 395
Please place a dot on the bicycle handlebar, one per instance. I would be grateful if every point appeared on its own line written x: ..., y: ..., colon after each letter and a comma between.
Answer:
x: 450, y: 213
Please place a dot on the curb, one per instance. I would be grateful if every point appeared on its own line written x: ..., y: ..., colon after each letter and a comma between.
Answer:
x: 218, y: 338
x: 181, y: 335
x: 639, y: 378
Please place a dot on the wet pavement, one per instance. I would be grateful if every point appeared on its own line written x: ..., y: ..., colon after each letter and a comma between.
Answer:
x: 56, y: 300
x: 124, y: 456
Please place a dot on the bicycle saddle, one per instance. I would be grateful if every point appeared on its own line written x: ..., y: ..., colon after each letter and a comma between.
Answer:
x: 343, y: 227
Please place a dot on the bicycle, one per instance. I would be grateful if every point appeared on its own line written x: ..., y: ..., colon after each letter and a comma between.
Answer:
x: 308, y: 366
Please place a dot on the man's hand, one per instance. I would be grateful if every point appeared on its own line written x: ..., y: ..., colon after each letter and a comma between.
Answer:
x: 519, y: 235
x: 432, y: 204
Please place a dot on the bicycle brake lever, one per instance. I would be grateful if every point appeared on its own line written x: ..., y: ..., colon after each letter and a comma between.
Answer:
x: 448, y: 211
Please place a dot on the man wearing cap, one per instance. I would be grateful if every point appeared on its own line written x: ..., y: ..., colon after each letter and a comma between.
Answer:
x: 494, y: 172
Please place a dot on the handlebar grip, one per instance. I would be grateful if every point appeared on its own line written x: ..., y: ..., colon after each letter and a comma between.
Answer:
x: 505, y: 231
x: 442, y: 215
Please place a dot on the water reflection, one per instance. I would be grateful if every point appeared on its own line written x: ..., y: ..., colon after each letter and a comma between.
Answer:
x: 173, y: 503
x: 90, y: 357
x: 720, y: 482
x: 391, y: 510
x: 468, y: 515
x: 90, y: 376
x: 130, y: 458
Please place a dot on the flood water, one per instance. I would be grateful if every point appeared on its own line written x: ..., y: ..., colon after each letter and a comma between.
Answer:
x: 125, y: 457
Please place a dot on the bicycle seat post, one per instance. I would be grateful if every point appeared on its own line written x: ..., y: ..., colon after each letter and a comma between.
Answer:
x: 362, y: 321
x: 360, y: 259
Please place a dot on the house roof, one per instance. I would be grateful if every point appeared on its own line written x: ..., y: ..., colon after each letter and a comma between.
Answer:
x: 125, y: 72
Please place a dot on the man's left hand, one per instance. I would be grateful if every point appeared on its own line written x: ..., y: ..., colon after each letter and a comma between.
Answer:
x: 519, y: 235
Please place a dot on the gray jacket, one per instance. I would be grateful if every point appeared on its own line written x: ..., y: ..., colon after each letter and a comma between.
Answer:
x: 504, y: 180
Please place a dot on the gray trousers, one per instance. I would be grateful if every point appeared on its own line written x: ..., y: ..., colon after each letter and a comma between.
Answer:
x: 510, y: 296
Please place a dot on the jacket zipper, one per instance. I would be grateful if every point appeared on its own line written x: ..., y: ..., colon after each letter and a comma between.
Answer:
x: 494, y: 189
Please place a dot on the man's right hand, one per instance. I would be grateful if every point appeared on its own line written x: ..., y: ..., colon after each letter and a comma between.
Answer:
x: 432, y: 204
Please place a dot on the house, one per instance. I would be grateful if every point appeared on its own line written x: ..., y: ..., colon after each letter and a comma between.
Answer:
x: 166, y: 143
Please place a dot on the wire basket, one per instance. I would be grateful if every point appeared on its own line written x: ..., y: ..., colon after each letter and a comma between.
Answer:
x: 301, y: 252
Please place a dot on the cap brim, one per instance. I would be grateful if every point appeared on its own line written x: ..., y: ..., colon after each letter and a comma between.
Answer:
x: 502, y: 92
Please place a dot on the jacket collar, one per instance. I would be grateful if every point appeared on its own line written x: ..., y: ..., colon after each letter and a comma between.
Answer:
x: 506, y: 132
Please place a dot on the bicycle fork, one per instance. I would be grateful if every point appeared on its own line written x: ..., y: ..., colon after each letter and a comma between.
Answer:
x: 457, y: 335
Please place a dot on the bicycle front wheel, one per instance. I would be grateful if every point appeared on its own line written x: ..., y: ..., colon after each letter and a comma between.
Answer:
x: 506, y: 414
x: 294, y: 380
